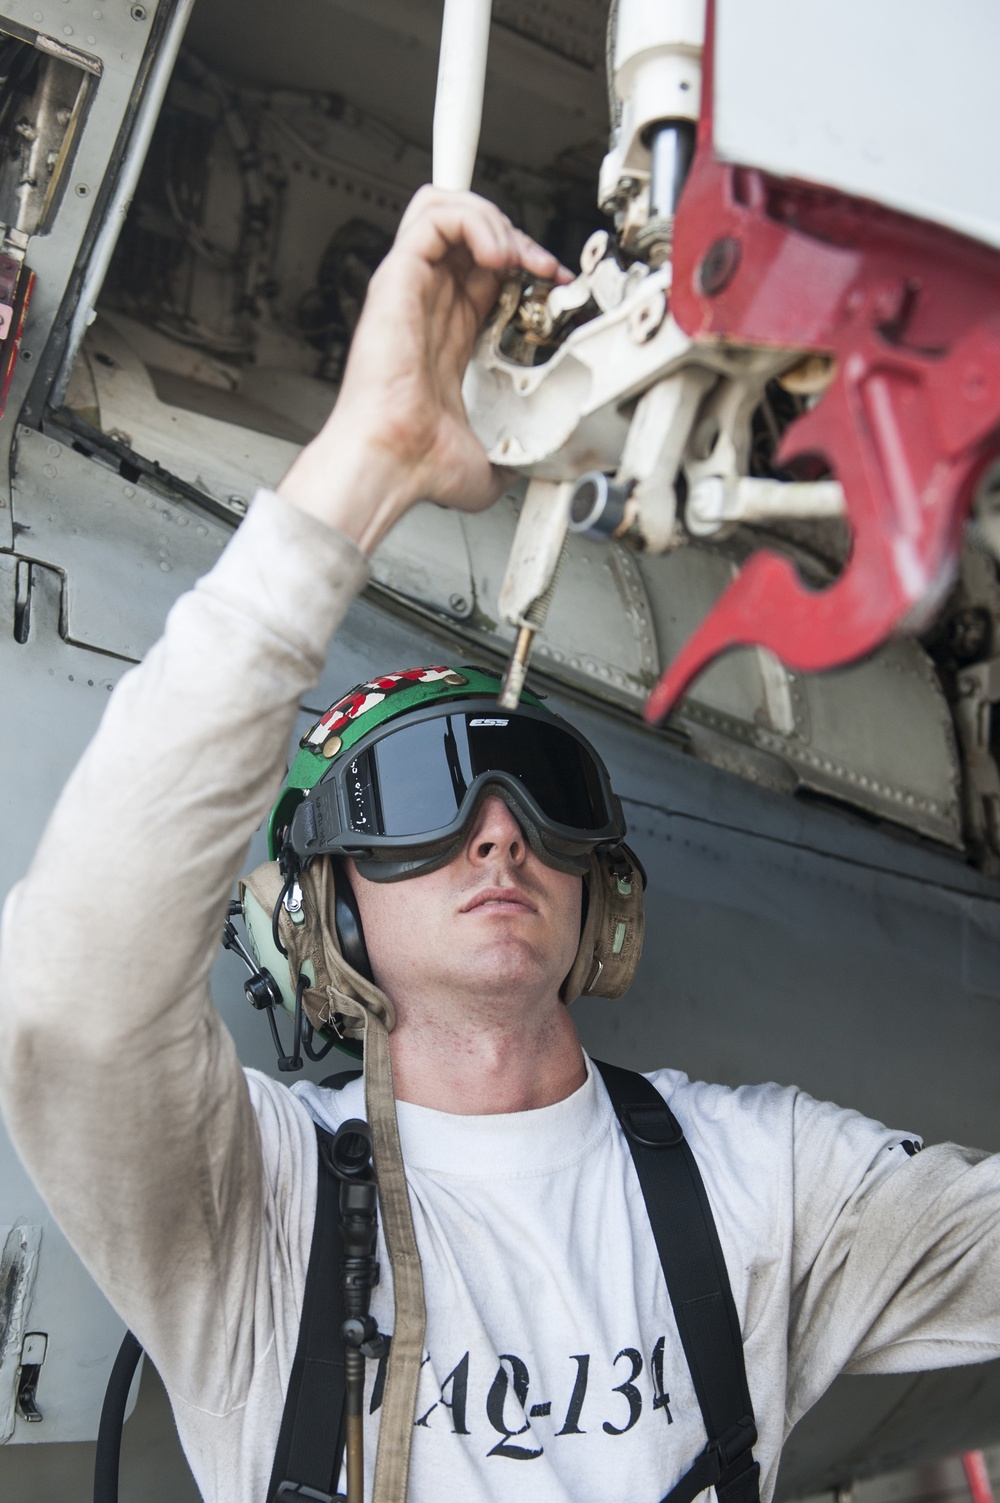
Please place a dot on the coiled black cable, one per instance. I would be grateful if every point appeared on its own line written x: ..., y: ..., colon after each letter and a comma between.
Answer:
x: 109, y: 1435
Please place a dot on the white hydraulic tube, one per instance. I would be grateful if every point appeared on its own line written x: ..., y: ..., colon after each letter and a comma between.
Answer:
x: 461, y: 83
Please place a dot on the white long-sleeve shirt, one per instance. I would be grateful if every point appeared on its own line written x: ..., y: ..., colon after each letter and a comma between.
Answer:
x: 553, y: 1368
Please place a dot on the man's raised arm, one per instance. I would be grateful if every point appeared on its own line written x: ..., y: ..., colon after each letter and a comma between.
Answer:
x: 119, y: 1084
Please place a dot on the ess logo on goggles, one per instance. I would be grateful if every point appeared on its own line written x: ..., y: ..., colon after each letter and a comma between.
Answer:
x: 412, y: 785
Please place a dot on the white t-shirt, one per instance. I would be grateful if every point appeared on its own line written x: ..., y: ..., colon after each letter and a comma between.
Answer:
x: 553, y: 1370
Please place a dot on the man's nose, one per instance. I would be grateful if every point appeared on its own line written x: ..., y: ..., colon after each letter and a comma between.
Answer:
x: 496, y: 832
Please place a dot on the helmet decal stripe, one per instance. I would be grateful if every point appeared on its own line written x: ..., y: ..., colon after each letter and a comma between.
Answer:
x: 367, y: 696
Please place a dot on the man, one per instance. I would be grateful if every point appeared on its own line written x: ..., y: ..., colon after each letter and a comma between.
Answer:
x: 553, y: 1370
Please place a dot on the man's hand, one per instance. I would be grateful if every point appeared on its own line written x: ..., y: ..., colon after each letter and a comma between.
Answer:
x: 398, y: 433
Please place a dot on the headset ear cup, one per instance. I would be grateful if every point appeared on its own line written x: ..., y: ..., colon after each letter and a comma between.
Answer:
x: 350, y: 934
x: 611, y: 942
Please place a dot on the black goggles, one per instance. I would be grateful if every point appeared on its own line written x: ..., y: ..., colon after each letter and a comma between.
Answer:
x: 400, y: 800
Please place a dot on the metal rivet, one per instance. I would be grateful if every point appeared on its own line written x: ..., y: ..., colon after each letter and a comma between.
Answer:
x: 719, y: 266
x: 138, y: 13
x: 332, y: 745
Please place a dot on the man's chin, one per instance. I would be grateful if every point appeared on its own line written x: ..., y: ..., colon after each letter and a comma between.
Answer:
x: 511, y: 964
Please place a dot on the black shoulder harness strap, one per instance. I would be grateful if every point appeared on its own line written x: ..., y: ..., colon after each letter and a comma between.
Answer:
x: 311, y: 1442
x: 698, y: 1285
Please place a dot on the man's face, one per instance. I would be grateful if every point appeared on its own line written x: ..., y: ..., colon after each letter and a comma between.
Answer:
x: 495, y: 924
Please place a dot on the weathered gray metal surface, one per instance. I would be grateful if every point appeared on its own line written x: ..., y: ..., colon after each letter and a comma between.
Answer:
x: 153, y: 1469
x: 125, y: 551
x: 53, y: 696
x: 877, y: 735
x: 864, y: 1427
x: 19, y: 1246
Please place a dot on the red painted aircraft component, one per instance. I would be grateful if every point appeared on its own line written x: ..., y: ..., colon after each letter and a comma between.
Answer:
x: 16, y: 286
x: 910, y: 313
x: 977, y: 1476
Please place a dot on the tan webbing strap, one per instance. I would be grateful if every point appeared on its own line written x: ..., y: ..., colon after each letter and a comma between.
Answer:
x: 392, y: 1462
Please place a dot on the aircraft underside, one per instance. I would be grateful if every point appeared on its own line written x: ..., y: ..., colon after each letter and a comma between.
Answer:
x: 822, y: 847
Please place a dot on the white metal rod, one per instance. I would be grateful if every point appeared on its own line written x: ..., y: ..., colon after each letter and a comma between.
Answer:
x: 714, y: 500
x: 461, y: 83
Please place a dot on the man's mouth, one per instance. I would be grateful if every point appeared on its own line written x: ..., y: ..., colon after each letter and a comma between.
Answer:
x: 499, y: 899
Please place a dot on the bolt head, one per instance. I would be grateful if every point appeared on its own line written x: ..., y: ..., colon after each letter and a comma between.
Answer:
x: 719, y: 266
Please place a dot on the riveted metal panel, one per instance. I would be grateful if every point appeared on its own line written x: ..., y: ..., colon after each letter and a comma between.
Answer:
x: 126, y: 551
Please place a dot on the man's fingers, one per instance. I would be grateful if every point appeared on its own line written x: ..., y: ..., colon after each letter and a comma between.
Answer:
x: 436, y: 222
x: 535, y: 258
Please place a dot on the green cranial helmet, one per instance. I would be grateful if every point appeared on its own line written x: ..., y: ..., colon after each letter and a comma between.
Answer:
x: 394, y: 772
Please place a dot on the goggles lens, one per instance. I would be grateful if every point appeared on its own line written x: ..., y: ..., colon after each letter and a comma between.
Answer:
x: 413, y: 781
